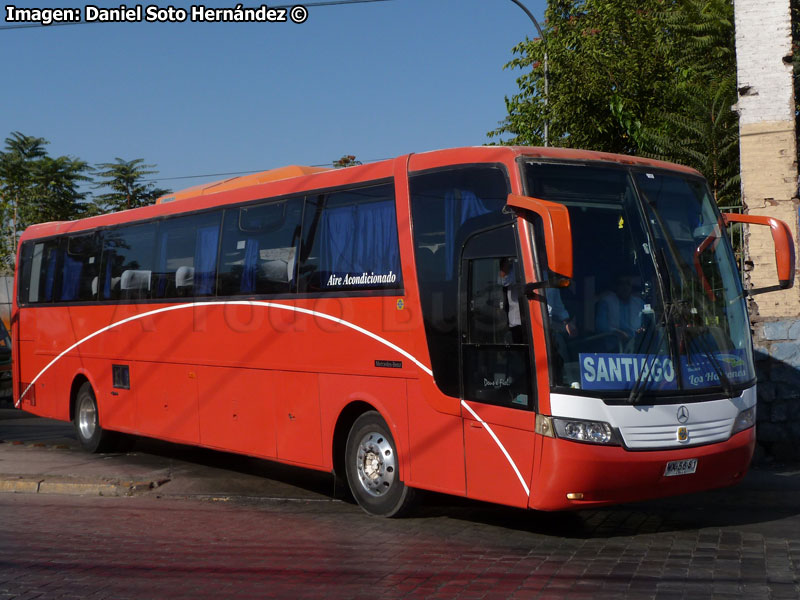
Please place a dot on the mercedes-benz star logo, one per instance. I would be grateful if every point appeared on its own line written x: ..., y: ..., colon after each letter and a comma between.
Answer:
x: 683, y: 414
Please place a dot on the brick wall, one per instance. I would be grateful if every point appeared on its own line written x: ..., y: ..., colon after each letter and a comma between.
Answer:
x: 769, y: 187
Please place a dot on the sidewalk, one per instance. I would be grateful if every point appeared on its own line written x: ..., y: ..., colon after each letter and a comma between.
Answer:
x: 43, y: 456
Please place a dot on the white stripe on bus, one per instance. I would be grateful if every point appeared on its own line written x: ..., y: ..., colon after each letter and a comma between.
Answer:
x: 499, y: 445
x: 306, y: 311
x: 314, y: 313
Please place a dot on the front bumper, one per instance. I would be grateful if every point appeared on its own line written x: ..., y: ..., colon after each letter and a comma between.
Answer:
x: 613, y: 475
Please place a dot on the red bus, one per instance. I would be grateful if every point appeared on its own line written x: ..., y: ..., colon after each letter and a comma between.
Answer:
x: 536, y: 327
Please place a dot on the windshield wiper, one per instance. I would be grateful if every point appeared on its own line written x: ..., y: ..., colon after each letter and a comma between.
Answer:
x: 652, y: 336
x: 708, y: 353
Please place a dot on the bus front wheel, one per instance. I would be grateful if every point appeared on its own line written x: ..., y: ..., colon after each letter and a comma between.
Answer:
x: 92, y: 437
x: 372, y: 468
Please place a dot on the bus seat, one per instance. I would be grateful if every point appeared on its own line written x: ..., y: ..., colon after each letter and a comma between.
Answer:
x: 134, y: 283
x: 95, y: 280
x: 184, y: 278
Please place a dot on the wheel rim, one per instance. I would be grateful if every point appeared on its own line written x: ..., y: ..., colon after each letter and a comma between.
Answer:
x: 87, y: 418
x: 376, y: 464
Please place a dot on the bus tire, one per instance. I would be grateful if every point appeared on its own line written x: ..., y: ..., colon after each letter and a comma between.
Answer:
x: 86, y: 420
x: 371, y: 465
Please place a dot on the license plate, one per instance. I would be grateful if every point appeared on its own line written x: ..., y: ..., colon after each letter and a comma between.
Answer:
x: 681, y: 467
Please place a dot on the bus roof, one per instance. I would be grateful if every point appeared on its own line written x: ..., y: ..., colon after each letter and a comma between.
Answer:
x: 298, y: 179
x: 242, y: 181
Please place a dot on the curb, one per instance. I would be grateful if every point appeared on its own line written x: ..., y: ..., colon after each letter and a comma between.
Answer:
x: 64, y: 486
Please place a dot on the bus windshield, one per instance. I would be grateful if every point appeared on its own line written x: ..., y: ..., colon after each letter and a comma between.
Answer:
x: 656, y: 305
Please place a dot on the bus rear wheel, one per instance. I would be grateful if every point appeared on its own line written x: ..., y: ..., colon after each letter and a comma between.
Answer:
x: 371, y: 464
x: 92, y: 437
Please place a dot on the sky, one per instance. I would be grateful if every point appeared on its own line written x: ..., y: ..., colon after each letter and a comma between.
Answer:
x: 374, y: 80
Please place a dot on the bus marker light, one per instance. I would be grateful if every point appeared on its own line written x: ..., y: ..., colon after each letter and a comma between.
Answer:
x: 575, y: 496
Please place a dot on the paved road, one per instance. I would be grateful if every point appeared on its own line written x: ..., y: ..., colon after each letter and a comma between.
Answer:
x: 300, y: 542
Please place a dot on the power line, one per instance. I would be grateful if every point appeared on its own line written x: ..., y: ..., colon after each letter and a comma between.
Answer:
x: 282, y: 7
x: 238, y: 173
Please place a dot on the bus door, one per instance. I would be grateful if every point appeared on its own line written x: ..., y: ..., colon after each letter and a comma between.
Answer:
x: 496, y: 369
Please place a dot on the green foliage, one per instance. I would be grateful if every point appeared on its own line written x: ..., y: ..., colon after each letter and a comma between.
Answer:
x: 55, y: 190
x: 647, y: 77
x: 35, y: 188
x: 129, y: 190
x: 705, y: 136
x: 348, y: 160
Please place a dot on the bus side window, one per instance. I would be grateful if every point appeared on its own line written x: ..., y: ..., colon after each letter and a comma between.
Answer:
x: 350, y: 241
x: 128, y: 249
x: 447, y: 206
x: 259, y: 248
x: 79, y: 268
x: 40, y: 277
x: 186, y: 260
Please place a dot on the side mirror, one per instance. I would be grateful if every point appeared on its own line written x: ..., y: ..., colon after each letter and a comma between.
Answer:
x: 557, y: 231
x: 781, y: 237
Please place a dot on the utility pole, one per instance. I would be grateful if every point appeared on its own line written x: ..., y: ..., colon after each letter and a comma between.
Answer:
x: 546, y: 67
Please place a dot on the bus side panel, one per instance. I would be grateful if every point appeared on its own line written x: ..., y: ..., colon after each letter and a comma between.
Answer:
x: 116, y: 405
x: 386, y: 395
x: 436, y: 442
x: 490, y: 474
x: 166, y: 401
x: 29, y: 366
x: 36, y: 352
x: 237, y: 410
x: 297, y: 417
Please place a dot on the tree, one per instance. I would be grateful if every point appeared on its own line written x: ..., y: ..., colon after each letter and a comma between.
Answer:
x: 703, y: 131
x: 705, y: 136
x: 129, y: 190
x: 601, y: 54
x: 348, y: 160
x: 56, y: 184
x: 633, y: 76
x: 17, y: 166
x: 34, y: 188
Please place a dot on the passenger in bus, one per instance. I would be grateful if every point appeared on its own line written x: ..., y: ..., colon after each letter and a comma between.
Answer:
x: 620, y: 311
x: 560, y: 319
x: 507, y: 279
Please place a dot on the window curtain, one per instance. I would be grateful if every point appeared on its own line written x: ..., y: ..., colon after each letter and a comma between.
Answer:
x: 205, y: 260
x: 460, y: 206
x: 337, y: 231
x: 250, y: 271
x: 109, y: 258
x: 70, y: 278
x: 360, y: 239
x: 50, y: 276
x: 376, y: 248
x: 161, y: 267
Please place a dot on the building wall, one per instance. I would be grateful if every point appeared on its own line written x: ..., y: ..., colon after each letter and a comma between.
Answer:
x: 769, y: 187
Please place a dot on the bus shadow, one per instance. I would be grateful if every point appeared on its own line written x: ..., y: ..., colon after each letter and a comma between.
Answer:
x: 765, y: 496
x: 208, y: 472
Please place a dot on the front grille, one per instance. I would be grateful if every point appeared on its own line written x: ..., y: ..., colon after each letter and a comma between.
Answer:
x: 666, y: 436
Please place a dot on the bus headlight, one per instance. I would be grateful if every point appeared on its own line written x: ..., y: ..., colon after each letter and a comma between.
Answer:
x: 745, y: 420
x: 592, y: 432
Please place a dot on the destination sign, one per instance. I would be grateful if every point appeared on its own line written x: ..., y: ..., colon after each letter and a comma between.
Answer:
x: 611, y: 371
